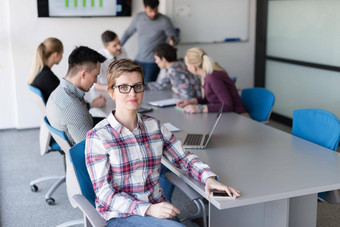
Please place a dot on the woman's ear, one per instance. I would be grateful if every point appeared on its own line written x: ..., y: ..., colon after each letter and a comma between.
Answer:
x: 111, y: 92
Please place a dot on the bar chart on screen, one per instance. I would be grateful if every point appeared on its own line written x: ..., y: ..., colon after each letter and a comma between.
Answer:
x: 82, y: 7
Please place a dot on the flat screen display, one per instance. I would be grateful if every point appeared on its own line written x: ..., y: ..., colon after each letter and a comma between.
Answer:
x: 84, y: 8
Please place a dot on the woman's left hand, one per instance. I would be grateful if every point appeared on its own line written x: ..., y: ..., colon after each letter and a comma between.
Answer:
x: 212, y: 184
x: 192, y: 109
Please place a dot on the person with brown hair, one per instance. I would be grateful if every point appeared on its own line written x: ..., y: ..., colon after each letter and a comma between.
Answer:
x: 48, y: 53
x: 153, y: 28
x: 113, y: 51
x: 181, y: 81
x: 123, y: 157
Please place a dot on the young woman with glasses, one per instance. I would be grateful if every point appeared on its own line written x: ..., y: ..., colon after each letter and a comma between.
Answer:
x: 123, y: 157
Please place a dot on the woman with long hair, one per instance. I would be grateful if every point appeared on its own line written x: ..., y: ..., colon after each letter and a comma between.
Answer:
x: 217, y: 86
x: 49, y: 53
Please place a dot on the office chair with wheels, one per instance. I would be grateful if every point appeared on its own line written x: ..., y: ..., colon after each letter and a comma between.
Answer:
x: 86, y: 200
x: 258, y: 102
x: 47, y: 144
x: 320, y: 127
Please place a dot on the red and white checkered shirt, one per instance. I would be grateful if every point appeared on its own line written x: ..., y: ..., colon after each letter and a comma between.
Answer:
x: 124, y: 166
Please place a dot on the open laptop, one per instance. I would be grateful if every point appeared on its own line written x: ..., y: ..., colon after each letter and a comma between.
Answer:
x: 198, y: 141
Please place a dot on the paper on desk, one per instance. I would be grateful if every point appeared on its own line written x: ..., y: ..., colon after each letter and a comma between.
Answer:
x: 164, y: 102
x: 171, y: 127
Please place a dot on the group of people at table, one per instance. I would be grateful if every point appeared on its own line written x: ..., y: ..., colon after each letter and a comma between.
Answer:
x: 124, y: 150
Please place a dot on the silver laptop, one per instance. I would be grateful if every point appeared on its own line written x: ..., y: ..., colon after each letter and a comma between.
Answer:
x: 198, y: 141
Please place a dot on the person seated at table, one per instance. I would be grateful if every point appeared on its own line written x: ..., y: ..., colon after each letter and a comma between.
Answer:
x: 181, y: 81
x: 48, y: 53
x: 113, y: 51
x: 66, y: 108
x: 217, y: 86
x: 123, y: 157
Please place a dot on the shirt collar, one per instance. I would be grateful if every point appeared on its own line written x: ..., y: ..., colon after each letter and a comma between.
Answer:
x: 118, y: 126
x: 73, y: 89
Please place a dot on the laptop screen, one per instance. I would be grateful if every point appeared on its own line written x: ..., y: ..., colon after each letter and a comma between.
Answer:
x: 212, y: 129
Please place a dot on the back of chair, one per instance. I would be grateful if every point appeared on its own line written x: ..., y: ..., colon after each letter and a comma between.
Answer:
x: 60, y: 137
x: 77, y: 154
x: 259, y: 103
x: 318, y: 126
x: 39, y: 97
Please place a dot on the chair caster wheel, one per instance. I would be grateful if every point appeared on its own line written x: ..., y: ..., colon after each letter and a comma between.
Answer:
x: 34, y: 188
x: 50, y: 201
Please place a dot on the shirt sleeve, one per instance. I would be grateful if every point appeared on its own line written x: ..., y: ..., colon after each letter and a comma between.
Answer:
x: 169, y: 28
x: 109, y: 196
x: 78, y: 121
x: 130, y: 30
x: 182, y: 159
x: 159, y: 85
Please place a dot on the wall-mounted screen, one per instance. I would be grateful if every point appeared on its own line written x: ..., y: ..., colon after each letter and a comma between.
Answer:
x: 84, y: 8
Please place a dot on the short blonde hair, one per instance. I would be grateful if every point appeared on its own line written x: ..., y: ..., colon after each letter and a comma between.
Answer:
x: 119, y: 67
x: 198, y: 57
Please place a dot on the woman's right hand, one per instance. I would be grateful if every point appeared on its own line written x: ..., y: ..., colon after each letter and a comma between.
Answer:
x: 162, y: 210
x: 184, y: 102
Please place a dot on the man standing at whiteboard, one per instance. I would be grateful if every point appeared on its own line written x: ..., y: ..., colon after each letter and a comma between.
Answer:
x: 153, y: 29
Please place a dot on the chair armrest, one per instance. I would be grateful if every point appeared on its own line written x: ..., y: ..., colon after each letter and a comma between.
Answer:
x: 186, y: 189
x: 89, y: 211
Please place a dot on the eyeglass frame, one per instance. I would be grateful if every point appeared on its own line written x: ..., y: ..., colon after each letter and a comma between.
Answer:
x: 131, y: 86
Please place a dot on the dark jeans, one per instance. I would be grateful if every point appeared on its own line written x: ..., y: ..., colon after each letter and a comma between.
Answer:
x: 146, y: 221
x: 151, y: 71
x: 167, y: 187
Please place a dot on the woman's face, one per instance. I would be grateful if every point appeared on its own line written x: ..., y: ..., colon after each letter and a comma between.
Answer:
x: 160, y: 62
x: 131, y: 100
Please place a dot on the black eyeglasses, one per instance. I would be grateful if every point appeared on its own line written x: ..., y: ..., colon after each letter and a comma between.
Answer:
x: 125, y: 89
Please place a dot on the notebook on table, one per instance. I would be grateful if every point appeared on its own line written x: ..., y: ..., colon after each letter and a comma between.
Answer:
x: 164, y: 102
x: 199, y: 141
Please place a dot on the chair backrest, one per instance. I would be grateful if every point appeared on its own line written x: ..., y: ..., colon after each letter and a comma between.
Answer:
x: 259, y: 103
x: 77, y: 154
x: 39, y: 97
x: 60, y: 137
x: 318, y: 126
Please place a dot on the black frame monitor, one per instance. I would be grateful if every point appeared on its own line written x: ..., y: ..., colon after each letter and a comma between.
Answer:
x: 84, y: 8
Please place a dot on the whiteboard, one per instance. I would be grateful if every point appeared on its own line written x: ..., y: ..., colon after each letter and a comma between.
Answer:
x: 211, y: 20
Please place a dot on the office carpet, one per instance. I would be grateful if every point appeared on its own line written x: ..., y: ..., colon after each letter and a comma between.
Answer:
x: 21, y: 162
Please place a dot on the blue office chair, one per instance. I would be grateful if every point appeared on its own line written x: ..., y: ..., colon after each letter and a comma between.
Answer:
x: 86, y: 200
x: 72, y: 186
x: 47, y: 144
x: 258, y: 102
x: 320, y: 127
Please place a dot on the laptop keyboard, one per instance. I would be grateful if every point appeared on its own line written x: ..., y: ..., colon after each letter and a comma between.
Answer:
x: 193, y: 139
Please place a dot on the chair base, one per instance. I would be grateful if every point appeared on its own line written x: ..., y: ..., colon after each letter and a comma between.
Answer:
x: 53, y: 188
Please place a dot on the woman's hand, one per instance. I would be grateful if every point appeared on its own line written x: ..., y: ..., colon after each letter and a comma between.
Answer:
x: 184, y: 102
x: 212, y: 184
x: 162, y: 210
x: 191, y: 109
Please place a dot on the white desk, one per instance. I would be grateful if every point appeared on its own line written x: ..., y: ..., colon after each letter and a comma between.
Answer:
x: 279, y: 175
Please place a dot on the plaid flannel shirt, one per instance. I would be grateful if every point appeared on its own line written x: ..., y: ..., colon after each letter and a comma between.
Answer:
x: 124, y: 166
